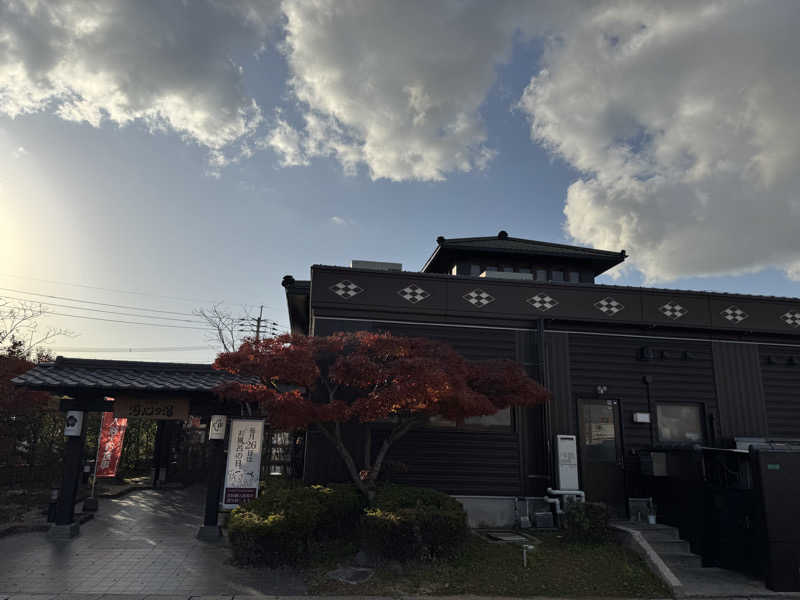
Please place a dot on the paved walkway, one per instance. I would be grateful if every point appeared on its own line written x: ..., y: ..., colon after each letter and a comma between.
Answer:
x: 142, y: 544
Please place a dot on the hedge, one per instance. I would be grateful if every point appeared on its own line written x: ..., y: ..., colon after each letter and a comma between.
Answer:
x: 413, y: 523
x: 282, y: 525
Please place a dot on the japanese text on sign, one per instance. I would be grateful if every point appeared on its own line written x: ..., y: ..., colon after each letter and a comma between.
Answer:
x: 244, y: 461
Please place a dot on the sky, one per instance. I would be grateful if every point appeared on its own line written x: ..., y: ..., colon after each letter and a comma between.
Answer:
x: 157, y: 158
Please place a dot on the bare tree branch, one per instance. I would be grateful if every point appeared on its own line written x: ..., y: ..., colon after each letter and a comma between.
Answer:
x: 227, y: 331
x: 20, y: 322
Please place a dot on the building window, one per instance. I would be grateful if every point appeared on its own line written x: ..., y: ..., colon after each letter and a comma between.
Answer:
x: 574, y: 277
x: 491, y: 268
x: 475, y: 270
x: 680, y: 423
x: 507, y: 268
x: 541, y: 275
x: 557, y: 275
x: 502, y: 418
x: 524, y: 270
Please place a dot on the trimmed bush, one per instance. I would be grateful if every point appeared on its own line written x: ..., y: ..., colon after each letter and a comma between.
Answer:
x: 586, y: 522
x: 409, y: 522
x: 281, y: 525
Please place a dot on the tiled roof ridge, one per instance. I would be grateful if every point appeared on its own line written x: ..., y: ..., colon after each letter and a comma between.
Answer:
x: 531, y: 242
x: 563, y: 283
x: 100, y: 363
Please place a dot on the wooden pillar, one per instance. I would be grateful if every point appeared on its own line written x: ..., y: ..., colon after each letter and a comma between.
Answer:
x: 160, y: 453
x: 210, y: 530
x: 65, y: 525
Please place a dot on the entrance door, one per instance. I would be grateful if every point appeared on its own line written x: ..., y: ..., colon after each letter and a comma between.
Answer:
x: 601, y: 454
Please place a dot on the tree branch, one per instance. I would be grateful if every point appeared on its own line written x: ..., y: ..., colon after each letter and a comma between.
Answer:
x: 336, y: 440
x: 399, y: 431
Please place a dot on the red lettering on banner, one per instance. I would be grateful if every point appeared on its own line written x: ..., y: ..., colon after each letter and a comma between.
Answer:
x: 109, y: 446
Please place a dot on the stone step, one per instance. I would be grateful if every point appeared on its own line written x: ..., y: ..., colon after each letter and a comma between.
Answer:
x: 669, y: 546
x: 681, y: 559
x: 655, y: 530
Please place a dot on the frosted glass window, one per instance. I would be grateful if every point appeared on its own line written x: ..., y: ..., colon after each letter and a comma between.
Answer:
x: 681, y: 423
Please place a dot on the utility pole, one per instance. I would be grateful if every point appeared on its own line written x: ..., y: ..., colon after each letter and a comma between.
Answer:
x: 258, y: 323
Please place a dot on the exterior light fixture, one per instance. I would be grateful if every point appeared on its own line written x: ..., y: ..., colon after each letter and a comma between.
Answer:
x: 601, y: 390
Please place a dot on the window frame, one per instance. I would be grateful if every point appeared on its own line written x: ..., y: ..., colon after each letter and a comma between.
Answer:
x: 701, y: 409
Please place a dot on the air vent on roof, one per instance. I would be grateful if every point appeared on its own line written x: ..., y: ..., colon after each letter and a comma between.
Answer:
x: 377, y: 266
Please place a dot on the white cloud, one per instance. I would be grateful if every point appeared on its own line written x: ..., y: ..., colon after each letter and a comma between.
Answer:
x: 19, y: 152
x: 342, y: 221
x: 683, y: 119
x: 395, y: 86
x: 168, y: 65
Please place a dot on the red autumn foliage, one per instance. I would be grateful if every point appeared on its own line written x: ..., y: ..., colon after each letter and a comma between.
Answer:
x: 366, y: 377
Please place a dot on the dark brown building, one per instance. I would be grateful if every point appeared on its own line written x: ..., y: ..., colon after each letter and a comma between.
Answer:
x: 629, y: 368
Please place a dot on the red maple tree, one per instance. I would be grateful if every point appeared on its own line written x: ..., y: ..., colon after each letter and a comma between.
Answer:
x: 365, y: 377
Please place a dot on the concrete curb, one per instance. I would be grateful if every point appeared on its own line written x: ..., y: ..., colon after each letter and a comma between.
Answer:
x: 633, y: 539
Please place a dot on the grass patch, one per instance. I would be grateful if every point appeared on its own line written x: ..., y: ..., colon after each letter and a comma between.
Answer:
x: 555, y: 568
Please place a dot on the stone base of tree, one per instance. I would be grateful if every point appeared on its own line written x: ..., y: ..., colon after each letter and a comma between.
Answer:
x: 90, y: 504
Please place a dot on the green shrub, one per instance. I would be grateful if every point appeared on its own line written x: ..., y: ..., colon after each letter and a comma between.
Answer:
x: 409, y: 522
x: 342, y: 507
x: 282, y: 524
x: 586, y: 522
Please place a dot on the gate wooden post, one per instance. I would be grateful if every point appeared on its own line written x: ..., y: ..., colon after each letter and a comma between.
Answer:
x: 210, y: 531
x: 65, y: 526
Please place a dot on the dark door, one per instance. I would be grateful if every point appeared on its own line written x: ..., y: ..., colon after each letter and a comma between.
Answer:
x: 601, y: 454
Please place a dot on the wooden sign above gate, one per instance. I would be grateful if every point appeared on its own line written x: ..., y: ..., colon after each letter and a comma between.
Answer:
x: 166, y: 408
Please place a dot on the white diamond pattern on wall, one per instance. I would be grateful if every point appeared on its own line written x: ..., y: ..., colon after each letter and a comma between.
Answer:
x: 791, y: 318
x: 478, y: 298
x: 609, y: 306
x: 673, y: 310
x: 734, y: 314
x: 346, y: 289
x: 413, y: 293
x: 542, y: 301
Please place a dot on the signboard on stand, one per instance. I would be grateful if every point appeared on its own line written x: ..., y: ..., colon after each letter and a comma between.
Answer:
x: 243, y: 468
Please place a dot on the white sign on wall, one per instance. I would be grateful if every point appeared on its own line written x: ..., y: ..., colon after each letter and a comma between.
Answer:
x: 216, y: 430
x: 243, y: 470
x: 74, y: 423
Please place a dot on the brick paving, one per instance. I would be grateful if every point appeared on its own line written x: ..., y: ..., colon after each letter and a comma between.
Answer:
x: 142, y: 544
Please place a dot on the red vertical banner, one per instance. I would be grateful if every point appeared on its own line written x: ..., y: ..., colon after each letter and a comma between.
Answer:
x: 109, y: 447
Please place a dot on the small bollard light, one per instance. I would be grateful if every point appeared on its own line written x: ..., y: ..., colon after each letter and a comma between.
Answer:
x: 525, y: 549
x: 51, y: 508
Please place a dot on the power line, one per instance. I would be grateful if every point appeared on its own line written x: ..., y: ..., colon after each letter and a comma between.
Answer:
x: 134, y: 350
x: 105, y: 289
x: 130, y: 322
x: 100, y: 310
x: 97, y: 287
x: 169, y: 312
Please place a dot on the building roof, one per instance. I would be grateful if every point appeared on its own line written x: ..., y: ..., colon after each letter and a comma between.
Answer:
x: 502, y: 244
x: 65, y: 374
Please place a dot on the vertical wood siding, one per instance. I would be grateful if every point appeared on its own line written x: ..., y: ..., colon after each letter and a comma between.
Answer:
x: 780, y: 371
x: 559, y: 381
x: 681, y: 371
x: 737, y: 375
x: 455, y: 461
